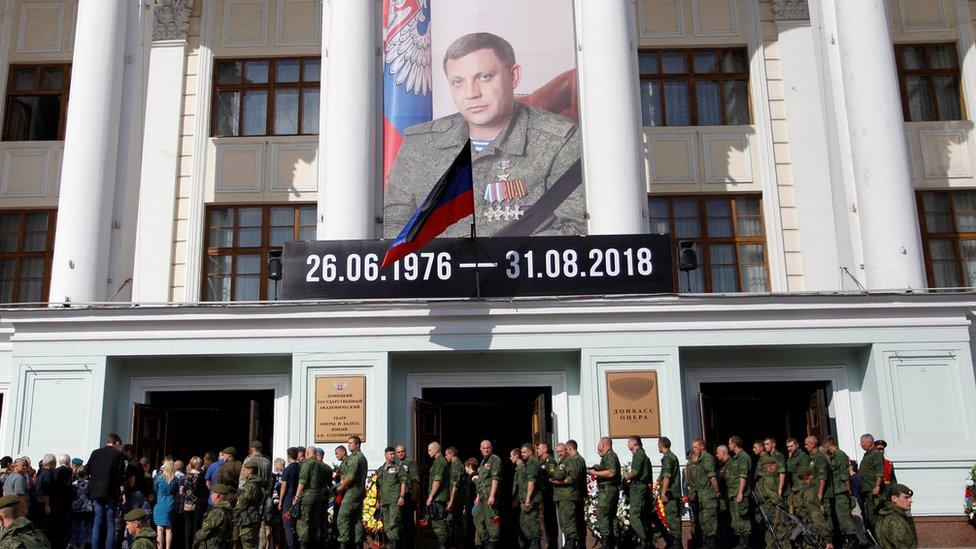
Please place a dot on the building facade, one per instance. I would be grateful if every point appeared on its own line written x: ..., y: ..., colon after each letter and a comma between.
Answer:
x: 819, y: 157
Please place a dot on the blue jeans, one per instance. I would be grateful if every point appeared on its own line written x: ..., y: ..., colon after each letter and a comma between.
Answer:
x: 105, y: 511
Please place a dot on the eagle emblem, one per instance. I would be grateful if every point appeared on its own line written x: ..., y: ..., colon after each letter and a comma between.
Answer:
x: 406, y: 30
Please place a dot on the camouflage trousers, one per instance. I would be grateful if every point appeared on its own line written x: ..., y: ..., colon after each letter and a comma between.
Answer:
x: 672, y: 513
x: 392, y: 521
x: 872, y: 505
x: 705, y: 523
x: 438, y: 523
x: 529, y: 522
x: 739, y: 515
x: 639, y: 509
x: 780, y: 534
x: 607, y: 499
x: 307, y: 527
x: 566, y: 514
x: 351, y: 522
x: 484, y: 523
x: 840, y: 505
x: 249, y: 536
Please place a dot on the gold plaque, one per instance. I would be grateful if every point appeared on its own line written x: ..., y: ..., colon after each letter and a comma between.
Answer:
x: 632, y: 404
x: 340, y: 408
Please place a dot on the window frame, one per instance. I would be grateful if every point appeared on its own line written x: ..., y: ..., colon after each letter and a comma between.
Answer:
x: 63, y: 92
x: 269, y: 87
x: 956, y: 237
x: 264, y: 250
x: 47, y: 255
x: 930, y: 75
x: 703, y: 241
x: 691, y: 77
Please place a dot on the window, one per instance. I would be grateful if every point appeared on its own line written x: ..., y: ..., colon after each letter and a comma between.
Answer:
x: 694, y: 87
x: 266, y: 97
x: 728, y: 235
x: 238, y: 241
x: 948, y: 223
x: 929, y: 78
x: 26, y: 247
x: 37, y: 102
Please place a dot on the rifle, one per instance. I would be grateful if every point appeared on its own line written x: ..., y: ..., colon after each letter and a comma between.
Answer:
x: 800, y: 528
x: 765, y: 518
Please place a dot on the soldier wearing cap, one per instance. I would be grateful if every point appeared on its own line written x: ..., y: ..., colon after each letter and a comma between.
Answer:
x: 804, y: 503
x: 215, y: 533
x: 18, y: 532
x: 137, y: 526
x: 229, y: 473
x: 767, y: 495
x: 895, y: 529
x: 249, y: 507
x: 525, y: 161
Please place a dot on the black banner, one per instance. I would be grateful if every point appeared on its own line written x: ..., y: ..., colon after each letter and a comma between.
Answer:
x: 486, y: 267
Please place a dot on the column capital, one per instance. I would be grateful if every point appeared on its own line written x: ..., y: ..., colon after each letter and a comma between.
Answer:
x: 171, y: 19
x: 790, y: 10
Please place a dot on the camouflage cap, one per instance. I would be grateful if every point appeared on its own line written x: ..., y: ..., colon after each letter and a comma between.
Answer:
x: 9, y: 501
x: 804, y: 471
x: 899, y: 489
x: 767, y: 460
x: 230, y: 450
x: 220, y: 489
x: 135, y: 514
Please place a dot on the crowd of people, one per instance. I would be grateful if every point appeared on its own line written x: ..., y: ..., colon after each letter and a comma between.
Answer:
x: 812, y: 496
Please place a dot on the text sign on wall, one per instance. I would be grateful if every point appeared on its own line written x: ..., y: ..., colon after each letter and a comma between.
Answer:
x: 340, y: 408
x: 632, y: 403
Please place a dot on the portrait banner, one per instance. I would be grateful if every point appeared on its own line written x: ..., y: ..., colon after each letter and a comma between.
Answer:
x: 501, y: 74
x: 340, y: 408
x: 632, y: 404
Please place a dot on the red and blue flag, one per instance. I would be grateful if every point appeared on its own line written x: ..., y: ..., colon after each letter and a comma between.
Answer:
x: 451, y: 200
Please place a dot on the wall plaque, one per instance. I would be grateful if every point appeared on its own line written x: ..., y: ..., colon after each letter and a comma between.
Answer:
x: 340, y: 408
x: 632, y: 404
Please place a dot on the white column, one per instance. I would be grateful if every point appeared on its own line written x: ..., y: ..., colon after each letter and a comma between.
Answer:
x: 610, y: 114
x: 160, y: 153
x: 348, y: 132
x: 879, y: 152
x: 81, y: 245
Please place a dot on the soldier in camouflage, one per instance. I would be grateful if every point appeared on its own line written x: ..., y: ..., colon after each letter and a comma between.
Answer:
x: 840, y: 503
x: 215, y: 533
x: 528, y: 495
x: 804, y: 503
x: 821, y: 475
x: 795, y: 458
x: 572, y: 451
x: 486, y: 519
x: 737, y: 472
x: 669, y: 484
x: 391, y: 491
x: 137, y: 526
x: 525, y: 161
x: 639, y: 498
x: 769, y: 445
x: 777, y: 535
x: 458, y: 493
x: 438, y: 492
x: 608, y: 492
x: 565, y: 493
x: 352, y: 489
x: 871, y: 472
x: 18, y: 532
x: 413, y: 494
x: 547, y: 509
x: 249, y: 507
x: 308, y: 499
x: 894, y: 528
x: 703, y: 493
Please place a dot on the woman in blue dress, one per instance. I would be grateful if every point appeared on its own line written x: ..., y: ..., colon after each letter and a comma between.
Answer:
x: 167, y: 496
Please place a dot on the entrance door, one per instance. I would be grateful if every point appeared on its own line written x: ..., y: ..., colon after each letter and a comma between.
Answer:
x: 149, y: 426
x: 707, y: 407
x: 540, y: 416
x: 426, y: 429
x: 254, y: 429
x: 817, y: 416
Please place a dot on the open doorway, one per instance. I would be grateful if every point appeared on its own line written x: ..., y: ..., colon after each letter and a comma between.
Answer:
x: 189, y: 423
x: 754, y: 411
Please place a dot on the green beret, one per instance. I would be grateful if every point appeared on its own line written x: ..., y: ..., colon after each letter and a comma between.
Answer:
x: 803, y: 471
x: 895, y: 490
x: 135, y: 514
x: 230, y: 450
x: 220, y: 489
x: 766, y: 460
x: 9, y: 501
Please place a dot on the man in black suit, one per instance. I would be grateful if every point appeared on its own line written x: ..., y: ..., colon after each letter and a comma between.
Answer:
x: 105, y: 469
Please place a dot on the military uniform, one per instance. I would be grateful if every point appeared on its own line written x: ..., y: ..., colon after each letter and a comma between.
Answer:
x: 216, y: 530
x: 485, y: 517
x: 410, y: 507
x: 840, y: 502
x: 767, y: 494
x: 312, y: 477
x: 698, y: 476
x: 22, y: 534
x: 582, y: 491
x: 607, y: 498
x: 248, y: 510
x: 797, y: 460
x: 780, y: 467
x: 389, y: 480
x: 229, y: 474
x: 871, y: 472
x: 459, y: 483
x: 519, y: 183
x: 351, y: 511
x: 439, y: 470
x: 894, y: 528
x: 145, y: 538
x: 547, y: 508
x: 804, y: 504
x: 821, y: 471
x: 672, y: 499
x: 529, y: 527
x: 639, y: 498
x: 738, y: 467
x: 569, y: 470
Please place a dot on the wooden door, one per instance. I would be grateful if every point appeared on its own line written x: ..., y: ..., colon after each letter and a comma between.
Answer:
x: 149, y: 429
x: 254, y: 423
x: 540, y: 422
x: 707, y: 408
x: 426, y: 429
x: 818, y: 420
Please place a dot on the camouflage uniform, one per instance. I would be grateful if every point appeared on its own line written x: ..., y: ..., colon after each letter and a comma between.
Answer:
x: 460, y: 485
x: 529, y: 530
x: 439, y: 470
x: 144, y: 539
x: 484, y: 516
x: 311, y: 476
x: 536, y: 147
x: 738, y: 467
x: 698, y: 475
x: 582, y: 492
x: 821, y: 471
x: 248, y: 510
x: 871, y: 472
x: 840, y: 503
x: 798, y: 459
x: 547, y: 507
x: 410, y: 507
x: 894, y: 528
x: 672, y: 499
x: 22, y: 534
x: 766, y: 492
x: 639, y: 499
x: 351, y: 511
x: 389, y: 480
x: 216, y: 529
x: 566, y: 495
x: 804, y: 504
x: 607, y: 498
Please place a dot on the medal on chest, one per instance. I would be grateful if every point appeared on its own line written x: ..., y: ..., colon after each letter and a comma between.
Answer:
x: 503, y: 197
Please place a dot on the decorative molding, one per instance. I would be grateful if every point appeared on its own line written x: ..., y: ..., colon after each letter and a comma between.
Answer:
x: 791, y: 10
x: 22, y: 33
x: 905, y: 11
x: 679, y: 30
x: 260, y: 40
x: 274, y: 150
x: 171, y: 19
x: 6, y: 177
x: 697, y: 12
x: 689, y: 140
x: 928, y: 166
x: 257, y: 149
x: 706, y: 145
x: 280, y: 27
